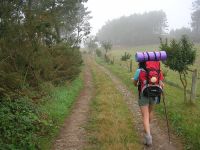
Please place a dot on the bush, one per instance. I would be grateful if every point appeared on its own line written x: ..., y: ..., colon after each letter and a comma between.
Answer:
x: 10, y: 82
x: 56, y: 64
x: 126, y: 56
x: 19, y: 123
x: 98, y: 52
x: 66, y: 63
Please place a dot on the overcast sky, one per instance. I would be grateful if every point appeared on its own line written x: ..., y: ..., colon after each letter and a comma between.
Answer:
x: 178, y: 11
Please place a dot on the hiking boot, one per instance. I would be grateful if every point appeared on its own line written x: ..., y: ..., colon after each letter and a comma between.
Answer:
x: 147, y: 139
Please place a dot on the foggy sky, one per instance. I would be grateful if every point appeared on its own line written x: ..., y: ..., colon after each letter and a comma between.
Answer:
x: 178, y: 11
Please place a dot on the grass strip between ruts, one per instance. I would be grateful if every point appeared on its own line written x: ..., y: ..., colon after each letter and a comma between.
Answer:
x: 111, y: 123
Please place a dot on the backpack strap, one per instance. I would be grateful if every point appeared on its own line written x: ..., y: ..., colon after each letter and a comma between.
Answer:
x: 155, y: 56
x: 160, y: 55
x: 148, y: 56
x: 144, y: 58
x: 140, y: 84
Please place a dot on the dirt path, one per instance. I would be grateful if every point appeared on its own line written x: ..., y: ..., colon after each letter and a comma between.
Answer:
x: 160, y: 136
x: 72, y: 135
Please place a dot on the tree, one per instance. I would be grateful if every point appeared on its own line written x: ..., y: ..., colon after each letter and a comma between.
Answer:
x: 106, y: 45
x: 136, y: 29
x: 69, y: 20
x: 181, y: 54
x: 83, y: 26
x: 38, y: 40
x: 91, y: 44
x: 196, y: 19
x: 177, y: 34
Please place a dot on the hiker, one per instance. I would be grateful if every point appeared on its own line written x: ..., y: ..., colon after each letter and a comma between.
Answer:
x: 148, y: 96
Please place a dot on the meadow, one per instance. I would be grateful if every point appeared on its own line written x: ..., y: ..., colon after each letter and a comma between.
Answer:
x: 184, y: 117
x: 172, y: 76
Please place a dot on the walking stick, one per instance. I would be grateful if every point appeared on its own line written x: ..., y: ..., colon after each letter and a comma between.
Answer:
x: 166, y: 115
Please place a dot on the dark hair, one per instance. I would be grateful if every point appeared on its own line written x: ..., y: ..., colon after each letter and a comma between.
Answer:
x: 142, y: 65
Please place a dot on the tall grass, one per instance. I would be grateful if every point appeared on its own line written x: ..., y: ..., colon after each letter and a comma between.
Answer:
x: 110, y: 125
x: 57, y: 107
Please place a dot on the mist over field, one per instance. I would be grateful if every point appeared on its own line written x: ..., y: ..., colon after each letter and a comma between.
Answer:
x: 130, y: 23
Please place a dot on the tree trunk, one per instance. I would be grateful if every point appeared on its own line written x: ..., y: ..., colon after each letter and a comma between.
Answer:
x: 29, y: 5
x: 56, y: 26
x: 28, y: 16
x: 184, y: 83
x: 57, y: 32
x: 185, y: 94
x: 194, y: 85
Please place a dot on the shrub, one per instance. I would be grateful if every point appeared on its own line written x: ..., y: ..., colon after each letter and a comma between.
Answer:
x: 19, y: 123
x: 126, y: 56
x: 56, y: 64
x: 66, y: 63
x: 98, y: 52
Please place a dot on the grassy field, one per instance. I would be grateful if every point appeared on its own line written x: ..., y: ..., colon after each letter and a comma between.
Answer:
x: 172, y: 76
x: 57, y: 107
x: 110, y: 125
x: 184, y: 118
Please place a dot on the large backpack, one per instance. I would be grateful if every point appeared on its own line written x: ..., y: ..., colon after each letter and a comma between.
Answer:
x: 149, y: 79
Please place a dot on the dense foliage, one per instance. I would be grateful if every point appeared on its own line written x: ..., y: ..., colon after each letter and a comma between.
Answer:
x: 39, y: 42
x: 19, y: 124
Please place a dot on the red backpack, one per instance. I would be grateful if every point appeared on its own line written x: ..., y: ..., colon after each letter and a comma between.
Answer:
x: 149, y: 79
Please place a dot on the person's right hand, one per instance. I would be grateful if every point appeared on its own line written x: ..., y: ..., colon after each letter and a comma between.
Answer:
x: 161, y: 83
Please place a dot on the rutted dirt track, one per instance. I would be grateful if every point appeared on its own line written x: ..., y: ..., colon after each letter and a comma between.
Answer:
x: 73, y: 136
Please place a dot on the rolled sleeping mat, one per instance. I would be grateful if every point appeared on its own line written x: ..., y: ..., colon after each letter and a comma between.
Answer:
x: 150, y: 56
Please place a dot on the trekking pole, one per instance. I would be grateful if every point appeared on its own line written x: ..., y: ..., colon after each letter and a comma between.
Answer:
x: 166, y: 115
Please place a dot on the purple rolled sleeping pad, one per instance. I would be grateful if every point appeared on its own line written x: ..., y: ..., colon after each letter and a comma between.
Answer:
x: 150, y: 56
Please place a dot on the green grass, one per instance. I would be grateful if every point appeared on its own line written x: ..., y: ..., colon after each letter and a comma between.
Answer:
x: 120, y: 71
x: 111, y: 123
x: 184, y: 118
x: 172, y: 75
x: 57, y: 107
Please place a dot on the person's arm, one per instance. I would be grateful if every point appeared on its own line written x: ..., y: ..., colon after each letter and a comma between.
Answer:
x: 161, y: 83
x: 136, y: 77
x: 161, y: 79
x: 135, y: 82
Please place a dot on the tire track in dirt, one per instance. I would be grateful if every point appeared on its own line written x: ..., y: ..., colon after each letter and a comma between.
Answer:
x: 158, y: 127
x: 72, y: 134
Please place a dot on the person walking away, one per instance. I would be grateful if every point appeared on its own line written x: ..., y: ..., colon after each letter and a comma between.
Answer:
x: 149, y: 79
